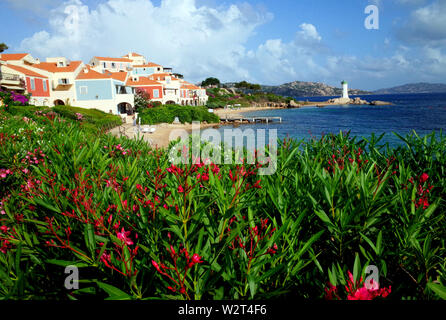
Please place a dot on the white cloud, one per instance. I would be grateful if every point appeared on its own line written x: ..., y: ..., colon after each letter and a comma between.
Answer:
x: 200, y: 41
x: 309, y: 32
x: 427, y: 25
x: 197, y: 41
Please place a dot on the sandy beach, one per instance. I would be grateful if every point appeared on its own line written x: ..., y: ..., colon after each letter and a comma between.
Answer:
x: 164, y: 132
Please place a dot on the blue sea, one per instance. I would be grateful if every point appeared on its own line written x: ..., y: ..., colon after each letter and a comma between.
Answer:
x: 422, y: 113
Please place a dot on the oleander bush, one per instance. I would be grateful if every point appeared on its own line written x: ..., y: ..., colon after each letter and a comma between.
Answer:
x: 167, y: 114
x: 139, y: 227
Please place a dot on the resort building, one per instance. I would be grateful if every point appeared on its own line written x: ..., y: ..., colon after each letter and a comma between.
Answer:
x: 106, y: 83
x: 105, y: 91
x: 10, y: 80
x: 153, y: 88
x: 22, y: 79
x: 18, y: 59
x: 100, y: 64
x: 136, y: 58
x: 61, y: 73
x: 147, y: 69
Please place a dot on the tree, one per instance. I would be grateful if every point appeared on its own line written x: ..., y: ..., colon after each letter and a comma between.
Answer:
x: 210, y: 82
x: 255, y: 87
x: 142, y: 99
x: 3, y: 47
x: 247, y: 85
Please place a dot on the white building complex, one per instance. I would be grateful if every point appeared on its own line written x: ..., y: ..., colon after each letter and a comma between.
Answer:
x: 105, y: 83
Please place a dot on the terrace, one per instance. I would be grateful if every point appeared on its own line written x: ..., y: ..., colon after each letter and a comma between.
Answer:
x: 11, y: 81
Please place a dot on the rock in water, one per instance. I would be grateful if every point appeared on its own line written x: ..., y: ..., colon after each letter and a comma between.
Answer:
x: 293, y: 104
x: 380, y: 103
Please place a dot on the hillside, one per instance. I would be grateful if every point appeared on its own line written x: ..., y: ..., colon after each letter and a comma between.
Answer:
x: 308, y: 89
x: 421, y: 87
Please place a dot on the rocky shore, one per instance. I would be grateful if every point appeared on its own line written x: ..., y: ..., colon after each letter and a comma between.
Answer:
x: 336, y: 101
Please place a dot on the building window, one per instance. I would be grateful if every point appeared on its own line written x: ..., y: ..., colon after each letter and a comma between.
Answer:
x: 33, y: 84
x: 83, y: 90
x: 44, y: 86
x: 156, y: 93
x: 113, y: 65
x: 104, y: 64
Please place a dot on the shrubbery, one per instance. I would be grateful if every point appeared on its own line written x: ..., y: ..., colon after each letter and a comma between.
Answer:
x: 8, y: 99
x: 218, y: 98
x: 95, y: 118
x: 139, y: 227
x: 167, y: 114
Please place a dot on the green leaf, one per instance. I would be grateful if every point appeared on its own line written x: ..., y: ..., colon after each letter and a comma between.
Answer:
x: 89, y: 238
x: 113, y: 292
x: 356, y: 268
x: 438, y: 289
x: 65, y: 263
x: 252, y: 285
x: 369, y: 242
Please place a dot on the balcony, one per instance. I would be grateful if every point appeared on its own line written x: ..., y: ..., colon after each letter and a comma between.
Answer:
x: 9, y: 78
x: 11, y: 81
x: 62, y: 84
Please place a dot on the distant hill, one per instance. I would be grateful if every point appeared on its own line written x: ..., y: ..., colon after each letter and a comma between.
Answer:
x: 421, y: 87
x: 309, y: 89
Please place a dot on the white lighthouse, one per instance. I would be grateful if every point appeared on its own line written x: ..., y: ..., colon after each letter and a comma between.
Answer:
x: 345, y: 89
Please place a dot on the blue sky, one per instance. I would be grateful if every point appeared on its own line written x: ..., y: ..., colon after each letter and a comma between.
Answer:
x: 262, y: 41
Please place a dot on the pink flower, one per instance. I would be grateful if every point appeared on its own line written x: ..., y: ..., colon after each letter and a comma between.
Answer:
x: 123, y: 235
x: 105, y: 258
x: 331, y: 292
x: 196, y: 258
x: 180, y: 189
x: 424, y: 178
x: 157, y: 267
x: 365, y: 292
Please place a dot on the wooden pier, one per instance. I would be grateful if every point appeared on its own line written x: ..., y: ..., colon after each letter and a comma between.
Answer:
x: 252, y: 119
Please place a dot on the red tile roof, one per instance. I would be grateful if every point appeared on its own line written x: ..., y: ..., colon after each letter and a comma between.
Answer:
x: 25, y: 71
x: 121, y: 76
x: 53, y: 68
x: 12, y: 56
x: 91, y: 74
x: 133, y: 55
x: 113, y: 59
x: 148, y: 65
x: 142, y: 81
x: 161, y: 76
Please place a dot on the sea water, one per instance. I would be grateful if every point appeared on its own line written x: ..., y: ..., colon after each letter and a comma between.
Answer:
x: 422, y: 113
